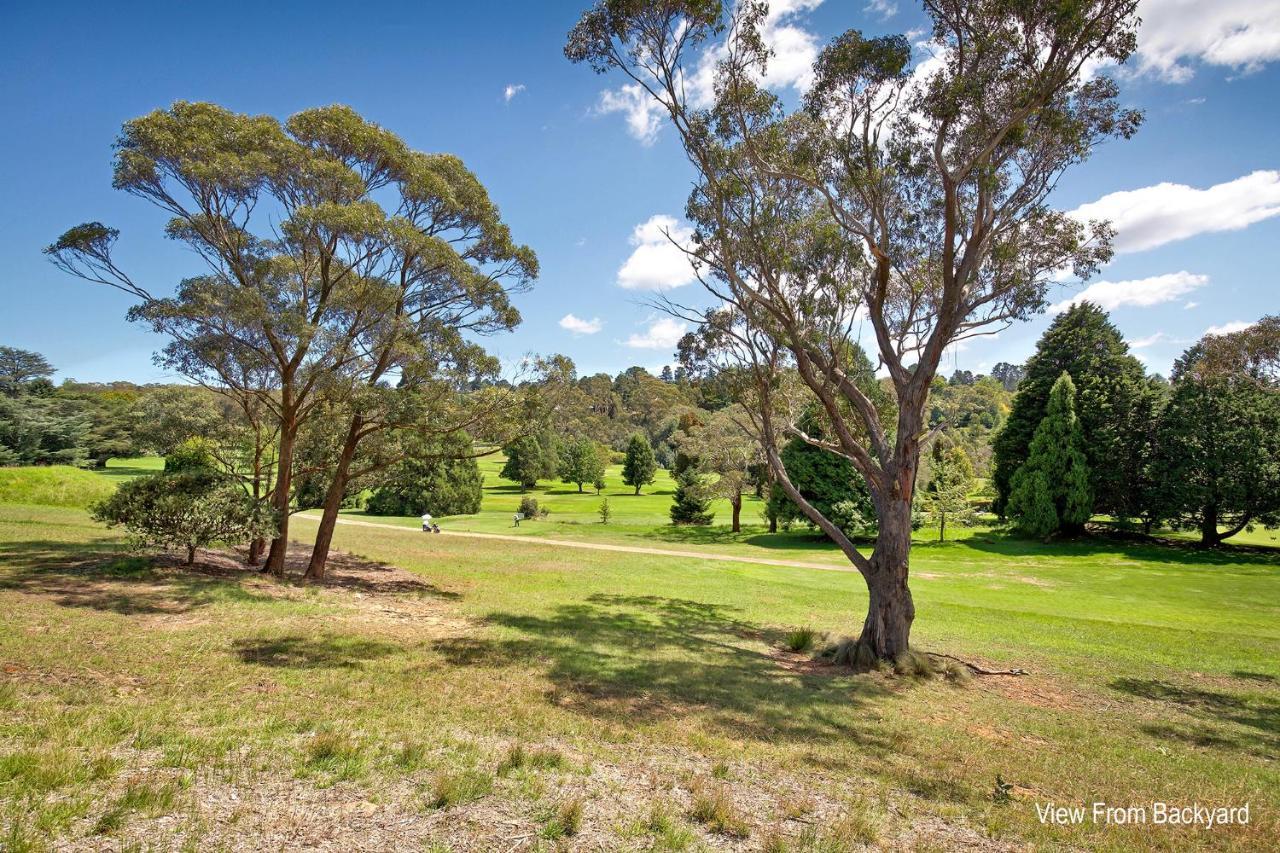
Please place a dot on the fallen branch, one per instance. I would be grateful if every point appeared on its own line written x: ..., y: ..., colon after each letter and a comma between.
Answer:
x: 978, y: 670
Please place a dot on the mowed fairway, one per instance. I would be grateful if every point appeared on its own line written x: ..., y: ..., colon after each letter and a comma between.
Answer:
x: 148, y: 705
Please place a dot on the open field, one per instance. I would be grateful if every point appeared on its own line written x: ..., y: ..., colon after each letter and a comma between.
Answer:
x: 148, y: 705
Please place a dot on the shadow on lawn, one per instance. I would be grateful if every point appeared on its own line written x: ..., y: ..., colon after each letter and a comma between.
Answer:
x: 323, y: 652
x: 629, y: 659
x: 1224, y: 720
x: 101, y: 574
x: 1238, y: 557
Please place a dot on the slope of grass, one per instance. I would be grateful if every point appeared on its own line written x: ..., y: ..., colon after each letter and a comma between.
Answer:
x: 53, y: 485
x: 129, y: 692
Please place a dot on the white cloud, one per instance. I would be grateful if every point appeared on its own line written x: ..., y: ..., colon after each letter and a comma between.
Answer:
x: 643, y: 113
x: 1159, y: 214
x: 511, y: 91
x: 663, y: 333
x: 1190, y: 305
x: 579, y: 326
x: 882, y: 9
x: 1228, y: 328
x: 1141, y: 292
x: 1239, y: 34
x: 1143, y: 343
x: 655, y: 263
x: 794, y: 50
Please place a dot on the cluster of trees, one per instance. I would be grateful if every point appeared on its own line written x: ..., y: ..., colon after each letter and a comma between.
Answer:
x: 74, y: 423
x: 1091, y: 434
x: 346, y: 280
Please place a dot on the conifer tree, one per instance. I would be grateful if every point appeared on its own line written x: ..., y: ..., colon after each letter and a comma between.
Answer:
x: 1050, y: 492
x: 640, y: 466
x: 692, y: 502
x: 950, y: 479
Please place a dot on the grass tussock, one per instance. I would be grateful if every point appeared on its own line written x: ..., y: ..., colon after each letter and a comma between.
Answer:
x: 665, y: 829
x: 855, y: 830
x: 336, y: 753
x: 142, y: 797
x: 565, y: 821
x: 519, y: 757
x: 453, y: 789
x: 802, y: 639
x: 713, y: 807
x: 913, y: 664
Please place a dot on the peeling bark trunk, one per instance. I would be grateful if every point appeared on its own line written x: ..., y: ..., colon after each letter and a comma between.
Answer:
x: 886, y: 633
x: 333, y: 502
x: 256, y: 548
x: 280, y: 499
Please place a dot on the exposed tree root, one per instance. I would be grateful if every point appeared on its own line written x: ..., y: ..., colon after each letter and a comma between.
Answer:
x: 978, y: 670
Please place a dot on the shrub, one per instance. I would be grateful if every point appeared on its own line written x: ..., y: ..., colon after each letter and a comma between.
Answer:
x: 801, y: 639
x: 440, y: 479
x: 194, y: 454
x: 606, y: 511
x: 192, y: 509
x: 530, y: 509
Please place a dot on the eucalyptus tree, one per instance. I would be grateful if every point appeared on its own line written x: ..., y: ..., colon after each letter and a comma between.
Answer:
x: 909, y: 201
x: 337, y: 259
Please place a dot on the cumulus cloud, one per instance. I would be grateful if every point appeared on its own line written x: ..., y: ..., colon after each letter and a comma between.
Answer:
x: 511, y: 91
x: 656, y: 263
x: 1242, y: 35
x: 1159, y: 214
x: 882, y: 9
x: 1140, y: 292
x: 794, y: 50
x: 1143, y: 343
x: 663, y: 333
x: 579, y: 326
x: 643, y: 113
x: 1228, y: 328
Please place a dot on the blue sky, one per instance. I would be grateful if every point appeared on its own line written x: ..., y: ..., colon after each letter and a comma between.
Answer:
x: 579, y: 171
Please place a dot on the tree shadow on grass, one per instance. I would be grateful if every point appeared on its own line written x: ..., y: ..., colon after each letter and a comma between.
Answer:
x: 102, y: 574
x: 1240, y: 558
x: 638, y: 659
x: 1229, y: 721
x: 328, y: 651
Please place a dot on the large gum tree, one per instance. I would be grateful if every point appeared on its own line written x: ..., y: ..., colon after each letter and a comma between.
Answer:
x: 906, y: 201
x: 340, y: 263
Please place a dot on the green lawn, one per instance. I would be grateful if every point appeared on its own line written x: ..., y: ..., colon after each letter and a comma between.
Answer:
x: 153, y: 706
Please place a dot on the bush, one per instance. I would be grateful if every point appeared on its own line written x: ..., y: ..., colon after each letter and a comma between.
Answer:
x: 194, y: 454
x: 193, y: 509
x: 606, y: 511
x: 529, y: 508
x: 440, y: 479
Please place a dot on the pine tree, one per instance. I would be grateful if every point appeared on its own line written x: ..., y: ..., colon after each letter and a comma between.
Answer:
x: 640, y: 466
x: 691, y: 503
x: 1051, y: 490
x: 1115, y: 402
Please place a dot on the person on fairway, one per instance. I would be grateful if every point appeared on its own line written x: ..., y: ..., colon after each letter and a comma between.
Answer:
x: 426, y: 522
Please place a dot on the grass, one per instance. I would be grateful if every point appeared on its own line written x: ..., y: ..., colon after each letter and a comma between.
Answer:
x: 53, y: 485
x: 655, y: 683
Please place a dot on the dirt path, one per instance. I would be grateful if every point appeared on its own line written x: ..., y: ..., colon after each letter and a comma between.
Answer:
x: 600, y: 546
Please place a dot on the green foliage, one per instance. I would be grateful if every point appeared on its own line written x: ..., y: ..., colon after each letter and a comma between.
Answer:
x: 529, y: 459
x: 801, y: 639
x: 442, y: 478
x: 20, y: 368
x: 581, y: 462
x: 639, y: 466
x: 1114, y: 400
x: 691, y: 503
x: 827, y: 481
x: 606, y: 512
x: 950, y: 480
x: 1217, y: 452
x: 531, y: 510
x: 192, y: 509
x: 192, y: 454
x: 1051, y: 489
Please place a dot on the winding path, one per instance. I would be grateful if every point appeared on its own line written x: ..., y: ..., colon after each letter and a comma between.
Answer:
x: 601, y: 546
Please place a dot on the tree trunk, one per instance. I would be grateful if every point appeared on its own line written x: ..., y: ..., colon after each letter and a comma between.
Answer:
x: 773, y: 523
x: 942, y: 527
x: 736, y: 502
x: 255, y: 551
x: 580, y: 488
x: 637, y: 490
x: 280, y: 500
x: 1209, y: 528
x: 191, y: 555
x: 890, y: 611
x: 333, y: 502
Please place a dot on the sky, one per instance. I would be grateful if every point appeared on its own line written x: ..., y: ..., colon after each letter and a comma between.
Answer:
x: 585, y: 172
